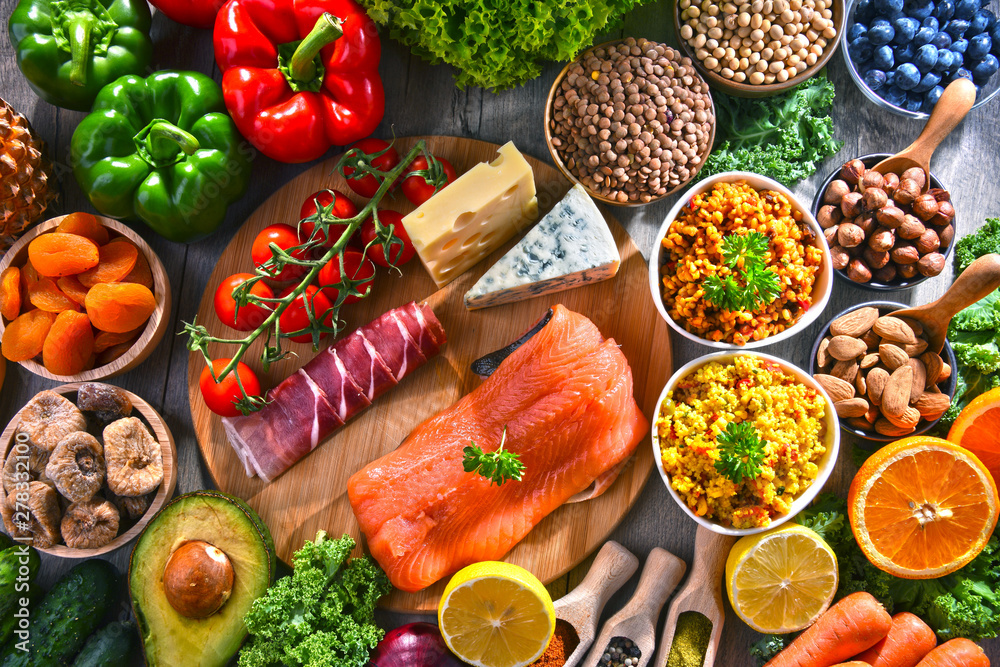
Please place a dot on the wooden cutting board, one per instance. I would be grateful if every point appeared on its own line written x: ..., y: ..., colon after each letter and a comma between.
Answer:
x: 313, y: 494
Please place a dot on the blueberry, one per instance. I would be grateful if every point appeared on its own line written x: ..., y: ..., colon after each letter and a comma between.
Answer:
x: 907, y: 76
x: 981, y: 22
x: 894, y: 95
x: 931, y: 23
x: 995, y: 33
x: 944, y: 61
x: 956, y: 28
x: 918, y: 9
x: 882, y: 58
x: 914, y: 102
x: 865, y: 11
x: 905, y: 54
x: 966, y: 9
x: 888, y: 7
x: 874, y: 79
x: 963, y: 73
x: 861, y: 50
x: 906, y: 28
x: 855, y: 31
x: 944, y: 10
x: 931, y: 97
x: 986, y: 68
x: 928, y: 81
x: 941, y: 40
x: 960, y: 45
x: 979, y: 46
x: 881, y: 32
x: 927, y: 56
x: 924, y: 36
x: 890, y: 78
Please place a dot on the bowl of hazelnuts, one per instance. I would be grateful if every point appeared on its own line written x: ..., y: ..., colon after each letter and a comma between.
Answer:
x: 885, y: 232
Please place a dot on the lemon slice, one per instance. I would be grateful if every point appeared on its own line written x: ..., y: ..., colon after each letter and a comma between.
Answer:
x: 782, y: 580
x: 496, y: 615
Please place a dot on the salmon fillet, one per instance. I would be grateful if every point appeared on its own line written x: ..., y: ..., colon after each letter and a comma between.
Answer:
x: 565, y: 397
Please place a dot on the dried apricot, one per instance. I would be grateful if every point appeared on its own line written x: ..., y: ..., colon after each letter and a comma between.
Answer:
x: 59, y: 254
x: 105, y: 339
x: 117, y: 261
x: 73, y: 288
x: 112, y: 353
x: 84, y: 224
x: 141, y: 273
x: 10, y: 292
x: 28, y: 276
x: 45, y: 295
x: 23, y: 338
x: 119, y: 307
x: 69, y: 344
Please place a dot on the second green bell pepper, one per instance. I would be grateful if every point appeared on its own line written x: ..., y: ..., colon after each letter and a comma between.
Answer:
x: 164, y: 151
x: 69, y: 49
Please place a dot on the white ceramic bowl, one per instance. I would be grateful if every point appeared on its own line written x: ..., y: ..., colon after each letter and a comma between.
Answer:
x: 826, y: 464
x: 824, y: 279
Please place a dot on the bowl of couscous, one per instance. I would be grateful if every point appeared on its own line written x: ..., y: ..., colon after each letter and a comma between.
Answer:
x: 739, y: 263
x: 744, y: 441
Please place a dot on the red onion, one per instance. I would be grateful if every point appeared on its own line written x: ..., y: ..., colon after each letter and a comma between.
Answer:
x: 414, y: 645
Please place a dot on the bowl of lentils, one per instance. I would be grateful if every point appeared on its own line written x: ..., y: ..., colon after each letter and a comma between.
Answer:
x: 630, y: 120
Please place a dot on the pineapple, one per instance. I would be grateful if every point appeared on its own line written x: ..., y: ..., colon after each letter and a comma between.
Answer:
x: 24, y: 176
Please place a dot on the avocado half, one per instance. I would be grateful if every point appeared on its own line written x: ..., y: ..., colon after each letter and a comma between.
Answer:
x: 225, y: 522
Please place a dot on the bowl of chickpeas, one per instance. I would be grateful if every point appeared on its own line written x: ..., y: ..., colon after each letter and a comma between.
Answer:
x: 758, y: 48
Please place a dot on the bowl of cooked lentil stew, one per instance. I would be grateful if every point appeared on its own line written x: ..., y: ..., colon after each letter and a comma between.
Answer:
x: 744, y: 441
x: 740, y: 263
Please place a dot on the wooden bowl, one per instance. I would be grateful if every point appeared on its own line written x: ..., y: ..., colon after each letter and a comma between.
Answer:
x: 158, y: 428
x: 554, y: 91
x: 155, y: 327
x: 735, y: 89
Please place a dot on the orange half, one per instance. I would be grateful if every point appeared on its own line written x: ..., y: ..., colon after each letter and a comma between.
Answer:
x: 977, y: 429
x: 922, y: 507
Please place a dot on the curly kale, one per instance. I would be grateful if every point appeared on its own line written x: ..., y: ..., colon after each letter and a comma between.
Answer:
x: 768, y: 646
x: 322, y: 615
x: 984, y: 241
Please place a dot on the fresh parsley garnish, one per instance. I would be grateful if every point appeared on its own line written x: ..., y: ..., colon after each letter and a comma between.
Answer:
x: 741, y: 452
x: 498, y: 467
x: 756, y: 286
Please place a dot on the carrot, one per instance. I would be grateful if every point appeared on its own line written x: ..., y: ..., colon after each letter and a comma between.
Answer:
x: 956, y: 653
x: 847, y: 628
x: 853, y: 663
x: 909, y: 640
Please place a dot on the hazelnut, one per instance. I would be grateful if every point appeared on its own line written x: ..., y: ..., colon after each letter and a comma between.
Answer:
x: 883, y: 239
x: 830, y: 234
x: 911, y: 228
x: 874, y: 199
x: 829, y: 215
x: 904, y: 254
x: 940, y: 194
x: 198, y: 579
x: 945, y: 214
x: 886, y: 274
x: 928, y: 242
x: 925, y: 206
x: 836, y: 191
x: 890, y: 216
x: 858, y: 271
x: 850, y: 235
x: 840, y: 257
x: 946, y: 235
x: 850, y: 205
x: 906, y: 271
x: 876, y: 259
x: 889, y: 183
x: 917, y: 175
x: 853, y: 171
x: 907, y: 191
x: 866, y: 222
x: 931, y: 264
x: 872, y: 179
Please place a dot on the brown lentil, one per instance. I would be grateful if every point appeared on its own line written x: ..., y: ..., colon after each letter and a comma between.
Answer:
x: 632, y: 120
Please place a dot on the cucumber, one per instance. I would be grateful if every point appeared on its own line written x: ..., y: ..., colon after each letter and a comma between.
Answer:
x: 8, y: 624
x: 113, y: 645
x: 5, y: 541
x: 10, y: 566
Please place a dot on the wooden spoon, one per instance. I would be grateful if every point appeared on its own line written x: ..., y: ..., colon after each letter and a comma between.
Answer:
x: 637, y: 619
x: 956, y: 101
x: 582, y: 607
x: 702, y: 593
x: 981, y: 278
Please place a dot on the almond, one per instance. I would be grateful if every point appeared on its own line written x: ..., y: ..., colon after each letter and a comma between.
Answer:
x: 859, y: 423
x: 870, y: 360
x: 909, y: 419
x: 845, y: 348
x: 886, y: 427
x: 855, y: 323
x: 894, y: 329
x: 892, y: 356
x: 872, y: 415
x: 915, y: 349
x: 872, y: 340
x: 945, y: 373
x: 931, y: 406
x: 852, y: 407
x: 933, y: 363
x: 915, y: 325
x: 896, y: 395
x: 822, y: 356
x: 876, y: 379
x: 837, y: 388
x: 919, y: 379
x: 860, y: 384
x: 845, y: 370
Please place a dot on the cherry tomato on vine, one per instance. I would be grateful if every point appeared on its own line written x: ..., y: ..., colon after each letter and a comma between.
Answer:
x: 249, y: 316
x: 221, y: 397
x: 368, y: 185
x: 357, y: 266
x: 416, y: 188
x: 343, y: 208
x: 285, y: 237
x: 401, y: 254
x: 295, y: 316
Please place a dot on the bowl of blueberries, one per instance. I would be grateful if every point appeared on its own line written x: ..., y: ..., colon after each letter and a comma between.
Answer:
x: 903, y: 53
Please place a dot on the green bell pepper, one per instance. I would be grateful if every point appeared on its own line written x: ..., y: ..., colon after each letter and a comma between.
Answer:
x: 162, y: 150
x: 69, y: 49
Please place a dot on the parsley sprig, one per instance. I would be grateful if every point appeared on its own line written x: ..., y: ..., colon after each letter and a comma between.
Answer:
x: 750, y: 285
x: 498, y: 467
x: 741, y: 452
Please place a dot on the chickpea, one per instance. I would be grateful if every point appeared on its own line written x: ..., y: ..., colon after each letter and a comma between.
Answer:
x: 757, y: 78
x: 744, y: 19
x: 686, y: 32
x: 782, y: 76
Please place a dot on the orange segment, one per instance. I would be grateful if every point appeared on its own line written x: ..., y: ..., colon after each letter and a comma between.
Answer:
x: 977, y: 428
x: 922, y: 507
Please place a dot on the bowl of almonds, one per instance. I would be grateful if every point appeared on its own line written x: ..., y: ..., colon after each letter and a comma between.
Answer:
x: 884, y: 382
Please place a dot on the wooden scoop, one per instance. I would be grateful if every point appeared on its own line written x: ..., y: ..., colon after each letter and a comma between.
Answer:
x: 582, y: 607
x: 981, y: 278
x: 702, y: 593
x: 637, y: 619
x: 956, y: 101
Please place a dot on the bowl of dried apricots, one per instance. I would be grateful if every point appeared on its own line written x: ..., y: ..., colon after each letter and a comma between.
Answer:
x: 82, y: 297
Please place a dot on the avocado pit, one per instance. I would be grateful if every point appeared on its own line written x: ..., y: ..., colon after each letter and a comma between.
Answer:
x: 198, y: 579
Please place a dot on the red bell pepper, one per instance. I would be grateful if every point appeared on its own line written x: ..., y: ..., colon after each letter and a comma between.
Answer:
x: 299, y: 76
x: 196, y: 13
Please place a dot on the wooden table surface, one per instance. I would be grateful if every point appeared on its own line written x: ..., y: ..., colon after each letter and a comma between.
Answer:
x: 422, y: 99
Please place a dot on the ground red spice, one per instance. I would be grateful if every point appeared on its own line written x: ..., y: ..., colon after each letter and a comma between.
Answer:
x: 564, y: 642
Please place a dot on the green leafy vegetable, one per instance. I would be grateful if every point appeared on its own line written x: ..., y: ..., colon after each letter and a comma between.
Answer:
x: 769, y: 646
x: 496, y: 44
x: 744, y: 254
x: 741, y: 452
x: 322, y: 615
x: 498, y: 467
x: 971, y: 247
x: 784, y: 137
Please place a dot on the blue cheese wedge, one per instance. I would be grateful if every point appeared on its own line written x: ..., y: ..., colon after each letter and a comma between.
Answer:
x: 571, y: 246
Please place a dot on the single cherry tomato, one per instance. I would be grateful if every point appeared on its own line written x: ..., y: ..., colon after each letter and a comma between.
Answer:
x: 250, y: 316
x: 221, y: 397
x: 367, y: 185
x: 400, y: 254
x: 343, y: 208
x: 285, y: 237
x: 295, y: 317
x: 356, y: 266
x: 416, y: 188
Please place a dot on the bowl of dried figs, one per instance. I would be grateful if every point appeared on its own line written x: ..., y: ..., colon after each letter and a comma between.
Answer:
x: 885, y: 232
x: 884, y: 382
x: 85, y: 467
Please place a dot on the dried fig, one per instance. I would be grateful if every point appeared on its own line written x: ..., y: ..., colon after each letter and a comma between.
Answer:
x: 48, y: 418
x: 90, y: 524
x: 32, y: 462
x: 76, y: 466
x: 135, y: 464
x: 34, y: 514
x: 132, y: 507
x: 105, y: 402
